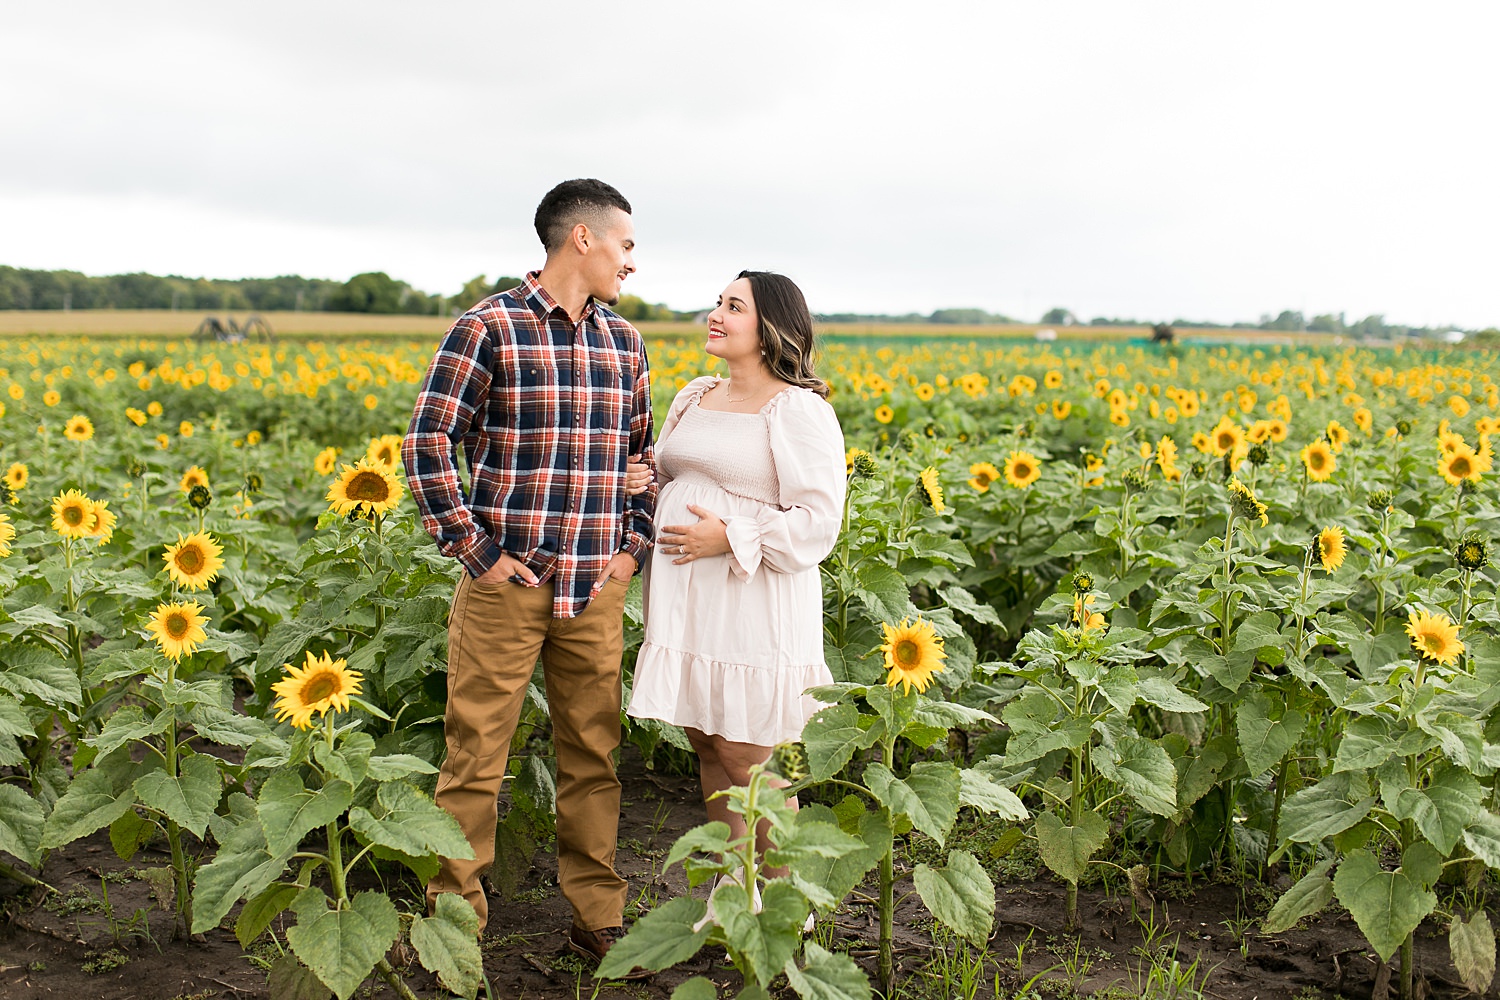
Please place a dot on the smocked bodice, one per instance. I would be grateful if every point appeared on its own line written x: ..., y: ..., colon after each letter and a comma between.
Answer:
x: 729, y: 450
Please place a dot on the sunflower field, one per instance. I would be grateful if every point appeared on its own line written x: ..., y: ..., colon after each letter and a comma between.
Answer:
x: 1141, y: 614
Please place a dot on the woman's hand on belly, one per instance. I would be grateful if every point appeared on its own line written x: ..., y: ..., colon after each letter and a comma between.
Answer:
x: 688, y: 542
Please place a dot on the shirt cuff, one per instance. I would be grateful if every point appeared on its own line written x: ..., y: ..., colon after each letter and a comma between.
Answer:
x: 477, y: 553
x: 636, y: 545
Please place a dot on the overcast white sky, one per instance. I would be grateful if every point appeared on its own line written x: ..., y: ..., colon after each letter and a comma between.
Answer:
x: 1149, y: 160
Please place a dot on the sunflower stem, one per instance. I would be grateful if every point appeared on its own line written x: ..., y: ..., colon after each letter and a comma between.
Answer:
x: 887, y: 971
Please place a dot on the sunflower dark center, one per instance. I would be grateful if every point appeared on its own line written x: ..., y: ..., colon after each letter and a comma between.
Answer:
x: 1433, y: 642
x: 1022, y: 470
x: 190, y: 559
x: 386, y: 456
x: 320, y: 687
x: 73, y: 515
x: 908, y: 654
x: 1317, y: 460
x: 176, y: 625
x: 368, y: 487
x: 1460, y: 466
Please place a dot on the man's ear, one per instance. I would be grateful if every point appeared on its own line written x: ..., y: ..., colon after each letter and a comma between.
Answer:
x: 580, y: 238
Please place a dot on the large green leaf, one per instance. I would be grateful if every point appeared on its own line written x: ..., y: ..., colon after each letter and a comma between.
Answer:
x: 812, y: 839
x: 1067, y: 849
x: 1265, y: 740
x: 707, y: 838
x: 242, y: 867
x: 661, y: 938
x: 832, y: 737
x: 1482, y: 836
x: 928, y: 796
x: 258, y: 912
x: 95, y: 799
x: 1145, y: 771
x: 840, y: 875
x: 1324, y: 809
x: 342, y: 946
x: 765, y: 941
x: 1364, y: 745
x: 1165, y: 695
x: 289, y: 811
x: 21, y: 821
x: 1309, y: 895
x: 1387, y: 906
x: 410, y: 822
x: 1442, y: 809
x: 978, y: 790
x: 447, y: 943
x: 1472, y: 945
x: 289, y: 979
x: 696, y: 988
x: 188, y: 799
x: 826, y: 976
x: 960, y: 895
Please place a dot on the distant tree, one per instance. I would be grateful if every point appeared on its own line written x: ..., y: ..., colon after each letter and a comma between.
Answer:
x: 372, y: 292
x: 1371, y: 326
x: 1059, y: 317
x: 504, y: 285
x: 1289, y: 320
x: 1327, y: 323
x: 972, y: 317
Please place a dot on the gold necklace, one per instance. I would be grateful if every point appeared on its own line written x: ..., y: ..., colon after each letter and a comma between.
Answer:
x: 730, y: 399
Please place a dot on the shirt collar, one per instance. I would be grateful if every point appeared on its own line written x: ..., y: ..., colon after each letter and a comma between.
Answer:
x: 543, y: 304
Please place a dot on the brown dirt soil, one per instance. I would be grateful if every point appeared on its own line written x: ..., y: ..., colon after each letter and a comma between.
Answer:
x: 46, y: 944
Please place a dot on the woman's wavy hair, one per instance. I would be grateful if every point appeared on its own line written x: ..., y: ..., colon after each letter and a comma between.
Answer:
x: 786, y: 329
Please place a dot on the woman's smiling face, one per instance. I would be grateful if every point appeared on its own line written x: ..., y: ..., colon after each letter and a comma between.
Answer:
x: 733, y: 326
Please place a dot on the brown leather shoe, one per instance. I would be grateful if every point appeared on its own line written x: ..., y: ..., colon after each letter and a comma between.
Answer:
x: 596, y: 944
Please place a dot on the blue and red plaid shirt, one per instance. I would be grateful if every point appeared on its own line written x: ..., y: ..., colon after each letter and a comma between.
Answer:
x: 547, y: 411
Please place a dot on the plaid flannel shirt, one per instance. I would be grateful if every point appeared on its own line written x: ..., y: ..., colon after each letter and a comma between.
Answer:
x: 547, y: 412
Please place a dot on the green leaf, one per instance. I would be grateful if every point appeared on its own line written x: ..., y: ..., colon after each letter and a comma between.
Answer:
x: 188, y: 799
x: 661, y: 938
x: 1323, y: 810
x: 1309, y: 895
x: 411, y: 823
x: 1265, y: 741
x: 1365, y: 744
x: 764, y: 941
x: 840, y: 875
x: 13, y: 721
x: 391, y: 767
x: 696, y: 988
x: 95, y: 799
x: 960, y: 895
x: 976, y: 789
x: 1165, y: 695
x: 928, y: 796
x: 1145, y: 771
x: 826, y: 976
x: 242, y: 867
x: 342, y: 946
x: 832, y: 736
x: 1387, y: 906
x: 257, y: 913
x: 1422, y: 864
x: 1472, y: 945
x: 812, y: 839
x: 1443, y: 808
x: 229, y: 729
x: 1258, y: 631
x: 1482, y: 837
x: 129, y: 834
x: 291, y: 980
x: 709, y: 838
x: 960, y: 599
x: 288, y: 811
x: 447, y: 943
x: 1067, y: 849
x: 21, y: 821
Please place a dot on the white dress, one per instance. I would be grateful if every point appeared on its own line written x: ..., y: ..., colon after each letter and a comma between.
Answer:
x: 732, y: 641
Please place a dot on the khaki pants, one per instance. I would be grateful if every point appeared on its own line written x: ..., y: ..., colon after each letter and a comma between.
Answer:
x: 494, y: 638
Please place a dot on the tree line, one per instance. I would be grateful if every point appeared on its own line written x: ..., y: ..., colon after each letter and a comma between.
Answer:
x: 371, y: 292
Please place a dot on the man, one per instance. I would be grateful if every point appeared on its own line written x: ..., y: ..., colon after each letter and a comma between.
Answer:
x: 549, y: 394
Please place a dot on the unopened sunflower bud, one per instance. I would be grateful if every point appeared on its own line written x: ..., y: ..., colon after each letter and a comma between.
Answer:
x: 1403, y: 427
x: 1083, y: 582
x: 1379, y: 500
x: 1259, y: 454
x: 1197, y: 469
x: 1472, y: 552
x: 199, y: 497
x: 862, y: 464
x: 136, y: 469
x: 1134, y: 480
x: 253, y: 482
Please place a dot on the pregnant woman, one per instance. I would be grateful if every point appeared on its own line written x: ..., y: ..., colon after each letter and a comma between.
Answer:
x: 752, y: 480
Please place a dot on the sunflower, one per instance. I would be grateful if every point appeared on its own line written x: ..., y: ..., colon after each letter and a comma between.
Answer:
x: 1278, y: 430
x: 162, y: 441
x: 1226, y: 438
x: 1319, y: 461
x: 1200, y: 441
x: 884, y: 414
x: 1449, y: 441
x: 364, y: 488
x: 7, y: 535
x: 981, y: 474
x: 1053, y: 379
x: 1364, y: 419
x: 135, y: 416
x: 73, y: 515
x: 324, y: 464
x: 1459, y: 465
x: 51, y: 397
x: 1260, y: 431
x: 177, y: 628
x: 1329, y: 548
x: 154, y: 408
x: 1119, y: 418
x: 17, y: 476
x: 185, y: 429
x: 371, y: 401
x: 860, y: 464
x: 925, y: 391
x: 194, y: 476
x: 104, y: 522
x: 930, y: 488
x: 1061, y: 408
x: 1244, y: 503
x: 386, y: 450
x: 1338, y: 435
x: 1434, y: 636
x: 79, y: 428
x: 194, y: 561
x: 1022, y: 469
x: 1166, y: 453
x: 320, y: 684
x: 913, y: 653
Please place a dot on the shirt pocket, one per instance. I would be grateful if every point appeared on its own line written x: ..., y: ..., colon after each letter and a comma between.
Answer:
x: 610, y: 391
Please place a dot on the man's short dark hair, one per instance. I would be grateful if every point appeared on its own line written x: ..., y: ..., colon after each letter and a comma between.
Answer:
x: 571, y: 202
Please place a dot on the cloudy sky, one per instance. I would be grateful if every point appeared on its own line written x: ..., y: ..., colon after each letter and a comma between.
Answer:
x: 1136, y: 159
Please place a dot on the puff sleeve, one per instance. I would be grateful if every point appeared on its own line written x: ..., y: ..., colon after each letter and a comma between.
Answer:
x: 807, y: 447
